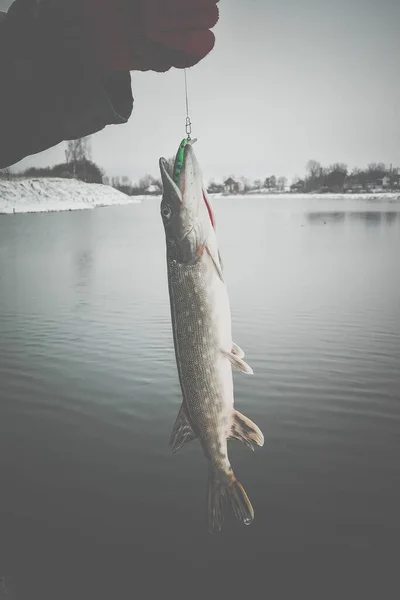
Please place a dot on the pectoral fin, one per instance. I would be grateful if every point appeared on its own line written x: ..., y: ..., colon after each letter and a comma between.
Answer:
x: 237, y: 351
x: 246, y: 431
x: 238, y: 363
x: 220, y: 261
x: 182, y: 431
x: 216, y: 262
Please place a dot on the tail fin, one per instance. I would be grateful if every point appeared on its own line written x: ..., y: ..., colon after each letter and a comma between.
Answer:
x: 222, y: 486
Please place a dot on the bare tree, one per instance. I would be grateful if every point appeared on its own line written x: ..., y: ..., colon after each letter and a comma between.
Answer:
x: 282, y: 183
x: 145, y: 182
x: 270, y: 182
x: 148, y: 181
x: 336, y: 176
x: 315, y: 176
x: 314, y: 169
x: 78, y: 151
x: 246, y: 185
x: 376, y: 171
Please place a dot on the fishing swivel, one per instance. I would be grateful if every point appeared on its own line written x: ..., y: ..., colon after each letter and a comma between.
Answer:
x: 188, y: 128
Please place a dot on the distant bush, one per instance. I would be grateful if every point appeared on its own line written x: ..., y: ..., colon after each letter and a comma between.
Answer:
x: 148, y: 185
x: 84, y: 170
x: 6, y: 173
x: 337, y: 178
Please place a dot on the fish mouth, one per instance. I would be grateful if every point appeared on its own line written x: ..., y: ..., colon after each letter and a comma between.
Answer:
x: 169, y: 184
x: 174, y: 177
x: 193, y: 192
x: 185, y: 208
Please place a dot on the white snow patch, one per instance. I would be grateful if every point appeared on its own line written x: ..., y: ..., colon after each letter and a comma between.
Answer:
x: 56, y: 194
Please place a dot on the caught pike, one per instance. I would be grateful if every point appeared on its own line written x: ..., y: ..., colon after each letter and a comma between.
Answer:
x: 201, y: 324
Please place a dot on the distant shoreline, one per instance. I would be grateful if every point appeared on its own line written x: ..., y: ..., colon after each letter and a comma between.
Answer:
x: 59, y: 195
x: 367, y: 196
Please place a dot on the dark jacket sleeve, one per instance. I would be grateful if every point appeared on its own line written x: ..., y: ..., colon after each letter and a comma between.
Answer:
x: 50, y: 87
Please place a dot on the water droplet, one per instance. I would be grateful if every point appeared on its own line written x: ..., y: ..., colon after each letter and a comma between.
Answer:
x: 248, y: 521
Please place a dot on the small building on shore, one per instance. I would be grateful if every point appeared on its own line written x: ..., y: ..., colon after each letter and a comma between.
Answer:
x: 231, y: 186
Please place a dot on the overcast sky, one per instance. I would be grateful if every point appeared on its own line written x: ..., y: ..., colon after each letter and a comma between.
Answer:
x: 288, y: 80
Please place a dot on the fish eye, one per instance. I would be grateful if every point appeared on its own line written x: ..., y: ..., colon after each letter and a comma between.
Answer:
x: 166, y: 212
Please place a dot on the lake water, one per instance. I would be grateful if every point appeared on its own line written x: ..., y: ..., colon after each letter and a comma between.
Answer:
x: 93, y: 505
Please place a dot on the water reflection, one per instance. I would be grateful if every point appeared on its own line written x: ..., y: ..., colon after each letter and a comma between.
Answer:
x: 82, y: 247
x: 326, y: 217
x: 369, y: 217
x: 83, y: 267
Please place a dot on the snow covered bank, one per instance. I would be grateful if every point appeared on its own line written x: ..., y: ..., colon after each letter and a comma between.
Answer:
x: 48, y: 195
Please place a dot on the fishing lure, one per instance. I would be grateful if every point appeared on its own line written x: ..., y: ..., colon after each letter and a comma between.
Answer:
x: 188, y: 140
x: 179, y: 161
x: 179, y: 158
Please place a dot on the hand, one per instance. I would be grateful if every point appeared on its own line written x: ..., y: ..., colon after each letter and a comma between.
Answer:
x: 151, y: 35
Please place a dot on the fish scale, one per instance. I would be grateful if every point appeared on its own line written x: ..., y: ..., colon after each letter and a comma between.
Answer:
x: 205, y: 374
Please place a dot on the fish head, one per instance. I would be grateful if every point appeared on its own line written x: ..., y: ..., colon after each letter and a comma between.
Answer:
x: 185, y: 209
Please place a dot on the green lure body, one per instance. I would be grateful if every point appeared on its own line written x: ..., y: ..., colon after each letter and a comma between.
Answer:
x: 179, y: 161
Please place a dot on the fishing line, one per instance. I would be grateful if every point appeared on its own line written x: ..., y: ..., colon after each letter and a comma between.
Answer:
x: 180, y: 155
x: 188, y: 121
